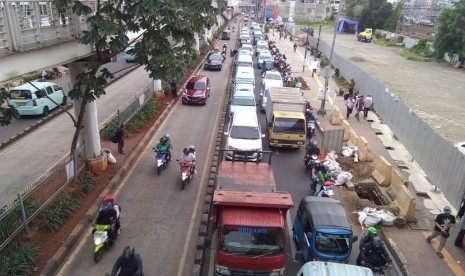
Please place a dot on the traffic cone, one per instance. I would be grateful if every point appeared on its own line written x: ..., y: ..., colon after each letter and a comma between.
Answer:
x: 322, y: 154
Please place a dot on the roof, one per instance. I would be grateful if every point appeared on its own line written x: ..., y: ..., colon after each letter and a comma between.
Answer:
x: 27, y: 86
x: 245, y: 176
x: 196, y: 78
x: 252, y: 217
x: 326, y: 212
x: 333, y: 269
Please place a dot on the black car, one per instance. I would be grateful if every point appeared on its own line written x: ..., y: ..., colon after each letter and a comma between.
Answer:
x: 214, y: 62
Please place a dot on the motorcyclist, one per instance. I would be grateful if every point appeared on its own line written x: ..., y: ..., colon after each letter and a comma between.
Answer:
x: 295, y: 46
x: 129, y: 264
x: 188, y: 155
x: 233, y: 29
x: 164, y: 146
x: 107, y: 216
x: 373, y: 253
x: 312, y: 147
x: 225, y: 48
x: 117, y: 208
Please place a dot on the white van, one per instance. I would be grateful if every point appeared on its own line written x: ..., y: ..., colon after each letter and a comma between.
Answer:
x: 244, y: 137
x: 32, y: 99
x: 244, y: 75
x: 244, y: 60
x: 319, y: 268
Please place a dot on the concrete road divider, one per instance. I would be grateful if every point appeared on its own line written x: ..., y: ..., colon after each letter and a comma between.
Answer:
x: 364, y: 151
x: 336, y: 117
x: 382, y: 172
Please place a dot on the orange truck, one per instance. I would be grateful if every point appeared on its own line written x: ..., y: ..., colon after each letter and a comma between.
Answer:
x: 249, y: 218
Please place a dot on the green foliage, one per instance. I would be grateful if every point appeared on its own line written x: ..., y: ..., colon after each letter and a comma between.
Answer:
x: 450, y: 37
x: 376, y: 14
x: 61, y: 208
x: 18, y: 259
x: 7, y: 112
x: 354, y: 8
x: 386, y: 42
x: 144, y: 115
x: 204, y: 48
x: 267, y: 29
x: 393, y: 20
x: 419, y: 52
x: 86, y: 181
x: 414, y: 57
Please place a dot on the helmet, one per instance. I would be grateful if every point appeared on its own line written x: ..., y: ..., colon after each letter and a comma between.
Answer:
x: 109, y: 198
x: 106, y: 206
x: 447, y: 210
x: 166, y: 135
x: 377, y: 242
x: 128, y: 252
x: 163, y: 140
x: 224, y: 44
x: 313, y: 142
x: 185, y: 151
x: 192, y: 149
x: 308, y: 112
x: 372, y: 231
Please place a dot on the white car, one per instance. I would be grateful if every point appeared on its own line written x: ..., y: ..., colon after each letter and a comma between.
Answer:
x: 245, y: 30
x: 263, y: 56
x: 247, y: 47
x: 271, y: 79
x: 261, y: 45
x: 243, y: 98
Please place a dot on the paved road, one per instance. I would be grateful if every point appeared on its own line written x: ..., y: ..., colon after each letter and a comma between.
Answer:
x: 159, y: 219
x: 433, y: 90
x: 120, y: 67
x: 24, y: 161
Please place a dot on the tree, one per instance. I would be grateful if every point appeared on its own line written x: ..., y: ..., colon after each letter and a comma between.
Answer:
x: 108, y: 25
x: 450, y: 37
x: 7, y: 112
x: 354, y: 8
x: 376, y: 14
x: 393, y: 20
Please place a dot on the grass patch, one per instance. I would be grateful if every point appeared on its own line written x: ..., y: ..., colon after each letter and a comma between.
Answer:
x: 414, y: 56
x: 18, y: 259
x: 143, y: 117
x: 386, y: 42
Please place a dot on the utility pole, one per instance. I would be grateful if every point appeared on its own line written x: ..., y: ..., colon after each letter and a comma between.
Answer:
x: 318, y: 41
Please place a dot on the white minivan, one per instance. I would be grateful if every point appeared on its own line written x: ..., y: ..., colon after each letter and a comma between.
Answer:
x: 36, y: 99
x: 244, y: 137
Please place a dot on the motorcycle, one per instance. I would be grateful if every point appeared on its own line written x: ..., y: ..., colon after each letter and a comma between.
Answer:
x: 186, y: 173
x: 223, y: 56
x: 162, y: 161
x: 288, y: 80
x: 311, y: 127
x: 325, y: 190
x: 54, y: 74
x: 310, y: 162
x: 101, y: 240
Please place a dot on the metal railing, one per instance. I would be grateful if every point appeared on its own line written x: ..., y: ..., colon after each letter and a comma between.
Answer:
x: 18, y: 213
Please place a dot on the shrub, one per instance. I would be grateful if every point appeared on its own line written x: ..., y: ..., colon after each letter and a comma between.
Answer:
x: 145, y: 114
x: 18, y: 259
x: 204, y: 48
x: 267, y: 29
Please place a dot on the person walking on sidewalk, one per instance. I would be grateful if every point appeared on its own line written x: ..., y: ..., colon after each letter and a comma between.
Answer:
x: 350, y: 103
x: 442, y: 225
x: 460, y: 214
x: 174, y: 91
x: 358, y: 107
x: 351, y: 86
x: 304, y: 64
x: 367, y: 105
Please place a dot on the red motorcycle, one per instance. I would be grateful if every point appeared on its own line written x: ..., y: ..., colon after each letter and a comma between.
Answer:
x: 187, y: 173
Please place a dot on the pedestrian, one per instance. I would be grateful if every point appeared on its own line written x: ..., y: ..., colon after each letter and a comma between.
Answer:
x: 280, y: 35
x: 358, y: 107
x: 351, y: 86
x: 442, y: 224
x: 285, y: 35
x: 263, y: 68
x: 367, y: 105
x: 460, y: 214
x: 304, y: 64
x: 119, y: 138
x: 350, y: 103
x: 174, y: 91
x: 295, y: 46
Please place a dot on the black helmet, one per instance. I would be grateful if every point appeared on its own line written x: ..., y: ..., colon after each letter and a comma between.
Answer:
x: 185, y: 151
x: 163, y: 140
x: 128, y: 252
x: 377, y: 242
x: 106, y: 205
x: 192, y: 149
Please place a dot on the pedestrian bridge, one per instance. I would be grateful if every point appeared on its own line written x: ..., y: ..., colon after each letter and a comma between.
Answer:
x: 36, y: 35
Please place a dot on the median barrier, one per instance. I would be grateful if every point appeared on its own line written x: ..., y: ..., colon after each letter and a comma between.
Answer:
x: 364, y: 151
x: 347, y: 130
x: 406, y: 203
x: 336, y: 117
x: 382, y: 172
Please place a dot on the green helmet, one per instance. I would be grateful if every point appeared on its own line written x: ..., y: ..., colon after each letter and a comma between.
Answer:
x: 372, y: 231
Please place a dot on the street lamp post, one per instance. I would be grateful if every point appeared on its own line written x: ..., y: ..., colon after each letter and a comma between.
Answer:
x: 327, y: 70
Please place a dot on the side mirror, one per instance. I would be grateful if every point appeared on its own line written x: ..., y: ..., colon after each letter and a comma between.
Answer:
x: 263, y: 135
x: 270, y: 124
x: 354, y: 238
x: 226, y: 133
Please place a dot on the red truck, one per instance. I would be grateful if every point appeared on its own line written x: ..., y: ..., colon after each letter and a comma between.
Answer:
x: 249, y: 218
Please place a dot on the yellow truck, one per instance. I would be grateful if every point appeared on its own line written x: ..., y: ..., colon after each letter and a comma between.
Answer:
x: 365, y: 36
x: 285, y: 118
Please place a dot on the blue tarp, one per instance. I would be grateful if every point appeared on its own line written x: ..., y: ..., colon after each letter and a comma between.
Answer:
x: 344, y: 25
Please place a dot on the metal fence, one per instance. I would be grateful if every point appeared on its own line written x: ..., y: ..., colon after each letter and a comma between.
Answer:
x: 18, y: 213
x: 441, y: 161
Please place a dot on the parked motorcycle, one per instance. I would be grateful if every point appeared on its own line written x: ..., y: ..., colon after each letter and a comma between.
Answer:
x: 325, y: 190
x: 50, y: 75
x: 162, y: 161
x: 186, y: 173
x: 101, y: 240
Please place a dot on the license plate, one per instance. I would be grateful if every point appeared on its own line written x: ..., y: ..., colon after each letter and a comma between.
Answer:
x: 20, y: 104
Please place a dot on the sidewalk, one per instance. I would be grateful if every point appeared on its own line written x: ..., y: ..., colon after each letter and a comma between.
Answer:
x: 409, y: 242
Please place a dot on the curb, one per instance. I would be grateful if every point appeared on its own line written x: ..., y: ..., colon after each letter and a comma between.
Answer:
x: 47, y: 118
x: 78, y: 232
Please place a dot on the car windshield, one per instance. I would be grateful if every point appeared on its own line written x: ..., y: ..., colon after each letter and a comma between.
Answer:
x: 244, y: 101
x: 251, y: 241
x: 265, y: 56
x: 214, y: 57
x: 273, y: 77
x: 19, y: 94
x: 195, y: 86
x: 244, y: 132
x: 289, y: 125
x: 332, y: 243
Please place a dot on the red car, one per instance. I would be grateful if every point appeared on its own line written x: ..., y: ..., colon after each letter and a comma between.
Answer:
x: 197, y: 90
